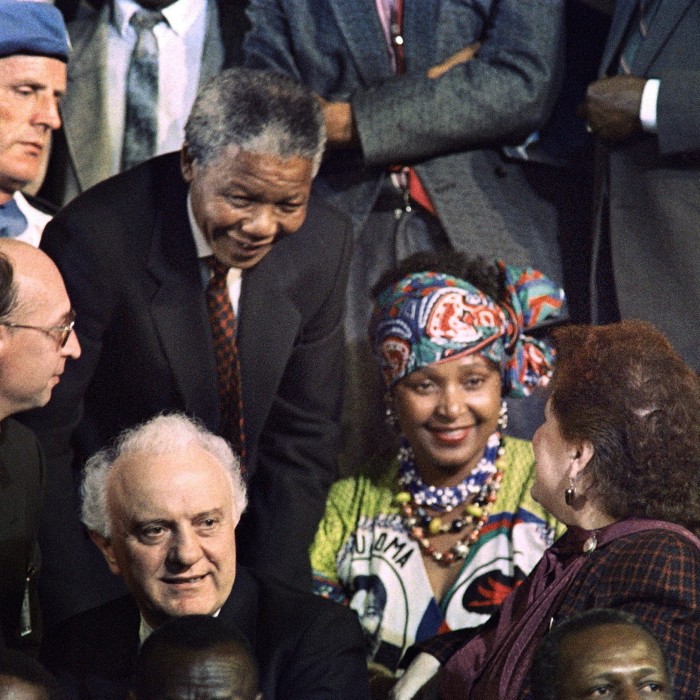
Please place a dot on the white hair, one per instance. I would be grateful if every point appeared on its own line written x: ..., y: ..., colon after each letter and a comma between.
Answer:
x: 161, y: 435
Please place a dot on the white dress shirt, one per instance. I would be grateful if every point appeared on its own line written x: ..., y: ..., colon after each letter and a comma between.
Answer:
x: 36, y: 219
x: 180, y: 46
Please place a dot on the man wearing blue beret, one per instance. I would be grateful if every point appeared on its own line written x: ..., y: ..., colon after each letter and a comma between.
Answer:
x: 33, y: 55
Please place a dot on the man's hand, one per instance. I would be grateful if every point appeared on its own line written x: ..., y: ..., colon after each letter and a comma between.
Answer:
x: 420, y: 682
x: 340, y: 123
x: 462, y: 56
x: 611, y: 108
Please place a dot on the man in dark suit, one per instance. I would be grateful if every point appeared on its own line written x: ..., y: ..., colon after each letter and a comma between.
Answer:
x: 36, y: 340
x: 195, y: 40
x: 645, y: 109
x: 132, y: 253
x: 162, y: 506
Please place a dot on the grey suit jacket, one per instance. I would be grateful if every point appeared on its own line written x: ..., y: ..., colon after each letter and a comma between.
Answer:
x: 82, y: 155
x: 652, y: 184
x: 450, y: 128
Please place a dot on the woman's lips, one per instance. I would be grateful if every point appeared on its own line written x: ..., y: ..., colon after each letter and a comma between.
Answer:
x: 451, y: 436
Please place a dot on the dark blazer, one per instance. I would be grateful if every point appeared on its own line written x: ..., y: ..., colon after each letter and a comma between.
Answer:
x: 307, y: 648
x: 21, y: 485
x: 652, y: 184
x: 450, y: 128
x: 126, y: 253
x: 81, y: 154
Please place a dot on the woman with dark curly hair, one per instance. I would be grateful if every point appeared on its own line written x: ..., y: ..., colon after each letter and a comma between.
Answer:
x: 617, y: 460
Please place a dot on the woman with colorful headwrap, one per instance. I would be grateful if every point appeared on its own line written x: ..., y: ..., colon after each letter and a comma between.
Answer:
x: 435, y: 537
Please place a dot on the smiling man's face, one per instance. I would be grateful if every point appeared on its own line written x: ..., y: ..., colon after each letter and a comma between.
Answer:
x: 246, y: 202
x: 173, y: 532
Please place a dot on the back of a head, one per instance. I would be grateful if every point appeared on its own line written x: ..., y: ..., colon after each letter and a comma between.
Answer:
x: 195, y: 652
x: 623, y: 388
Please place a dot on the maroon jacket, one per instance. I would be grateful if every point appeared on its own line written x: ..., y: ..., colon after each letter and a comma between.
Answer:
x: 653, y: 574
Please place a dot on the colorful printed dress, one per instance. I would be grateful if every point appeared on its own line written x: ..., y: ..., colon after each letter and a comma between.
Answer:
x: 363, y: 556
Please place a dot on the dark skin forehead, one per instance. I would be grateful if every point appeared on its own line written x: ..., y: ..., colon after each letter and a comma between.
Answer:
x: 221, y: 673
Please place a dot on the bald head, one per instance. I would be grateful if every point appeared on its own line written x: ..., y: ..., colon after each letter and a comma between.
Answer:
x: 35, y: 313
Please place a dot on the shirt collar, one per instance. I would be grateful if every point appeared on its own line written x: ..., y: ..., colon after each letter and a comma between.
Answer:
x: 145, y: 630
x: 203, y: 248
x: 181, y: 15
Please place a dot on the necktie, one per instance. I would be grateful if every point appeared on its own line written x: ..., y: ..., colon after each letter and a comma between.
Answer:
x: 12, y: 221
x: 141, y: 120
x: 223, y: 329
x: 637, y: 33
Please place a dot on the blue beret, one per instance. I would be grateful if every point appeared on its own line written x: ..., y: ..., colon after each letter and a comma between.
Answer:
x: 35, y: 28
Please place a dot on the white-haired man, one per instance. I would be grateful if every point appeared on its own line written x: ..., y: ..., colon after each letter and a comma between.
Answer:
x: 162, y: 506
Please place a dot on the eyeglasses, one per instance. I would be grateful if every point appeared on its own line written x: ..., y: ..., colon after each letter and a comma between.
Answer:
x: 62, y: 333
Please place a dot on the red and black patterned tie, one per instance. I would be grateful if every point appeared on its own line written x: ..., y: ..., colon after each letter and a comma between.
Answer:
x: 223, y: 329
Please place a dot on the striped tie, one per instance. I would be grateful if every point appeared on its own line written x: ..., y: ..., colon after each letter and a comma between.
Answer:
x: 637, y: 33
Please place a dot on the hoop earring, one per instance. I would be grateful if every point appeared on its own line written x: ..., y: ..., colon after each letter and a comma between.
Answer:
x: 503, y: 416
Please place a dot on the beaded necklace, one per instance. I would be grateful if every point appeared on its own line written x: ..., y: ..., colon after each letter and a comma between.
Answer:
x: 477, y: 490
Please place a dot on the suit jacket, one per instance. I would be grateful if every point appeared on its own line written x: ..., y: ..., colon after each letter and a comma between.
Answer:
x: 21, y: 487
x: 81, y: 153
x: 651, y: 184
x: 126, y: 253
x: 451, y: 128
x: 307, y: 648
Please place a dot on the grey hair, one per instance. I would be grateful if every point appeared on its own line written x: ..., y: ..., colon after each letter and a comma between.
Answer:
x: 8, y: 288
x: 260, y: 112
x: 161, y: 435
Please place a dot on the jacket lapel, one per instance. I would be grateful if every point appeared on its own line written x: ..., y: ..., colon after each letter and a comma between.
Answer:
x: 667, y: 17
x: 213, y: 50
x: 268, y: 326
x: 178, y: 307
x: 84, y: 110
x: 359, y: 23
x: 241, y: 607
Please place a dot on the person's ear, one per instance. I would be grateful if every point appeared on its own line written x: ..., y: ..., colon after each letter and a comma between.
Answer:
x: 581, y: 454
x: 104, y: 544
x: 187, y: 163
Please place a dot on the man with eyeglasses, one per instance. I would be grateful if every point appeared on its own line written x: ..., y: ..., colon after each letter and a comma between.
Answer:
x: 36, y: 340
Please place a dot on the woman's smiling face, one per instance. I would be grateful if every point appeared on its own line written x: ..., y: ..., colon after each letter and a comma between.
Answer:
x: 447, y: 411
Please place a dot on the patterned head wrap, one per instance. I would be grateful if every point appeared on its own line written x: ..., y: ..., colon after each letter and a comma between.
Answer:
x: 430, y: 317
